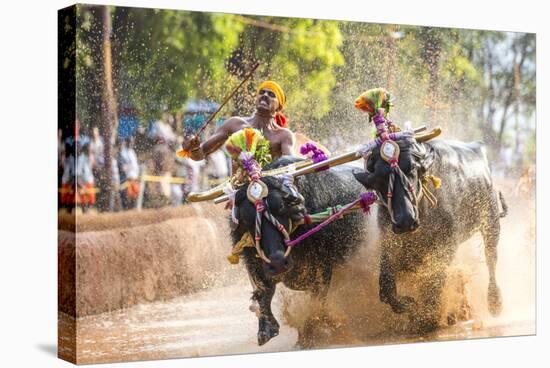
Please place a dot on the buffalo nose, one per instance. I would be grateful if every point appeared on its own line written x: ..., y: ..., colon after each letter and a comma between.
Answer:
x: 279, y: 264
x: 405, y: 226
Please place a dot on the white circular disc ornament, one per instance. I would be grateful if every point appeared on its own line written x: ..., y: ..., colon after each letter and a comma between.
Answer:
x: 389, y: 151
x: 256, y: 191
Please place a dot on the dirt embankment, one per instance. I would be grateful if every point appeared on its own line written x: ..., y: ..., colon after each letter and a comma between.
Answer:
x: 134, y: 218
x: 118, y: 260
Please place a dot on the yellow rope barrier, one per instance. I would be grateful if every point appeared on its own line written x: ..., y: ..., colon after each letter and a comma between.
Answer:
x: 149, y: 178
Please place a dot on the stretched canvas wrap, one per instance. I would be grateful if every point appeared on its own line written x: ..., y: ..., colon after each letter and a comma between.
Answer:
x: 235, y: 184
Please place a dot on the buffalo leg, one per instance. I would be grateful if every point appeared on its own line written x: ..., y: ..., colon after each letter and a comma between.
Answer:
x: 388, y: 288
x: 426, y: 318
x: 491, y: 234
x: 264, y: 289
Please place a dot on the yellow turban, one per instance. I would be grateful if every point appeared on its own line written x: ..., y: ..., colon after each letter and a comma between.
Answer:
x: 276, y: 89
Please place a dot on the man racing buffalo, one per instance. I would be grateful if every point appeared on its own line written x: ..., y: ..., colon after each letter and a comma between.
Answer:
x: 268, y: 119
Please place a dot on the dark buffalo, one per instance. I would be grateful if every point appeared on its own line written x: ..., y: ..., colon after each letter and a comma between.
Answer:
x: 310, y: 264
x: 419, y: 234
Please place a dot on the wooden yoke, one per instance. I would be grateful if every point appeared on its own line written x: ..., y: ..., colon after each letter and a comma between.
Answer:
x: 307, y: 167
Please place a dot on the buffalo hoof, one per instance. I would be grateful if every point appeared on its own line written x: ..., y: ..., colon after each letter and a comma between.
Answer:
x: 494, y: 300
x: 424, y: 320
x: 268, y: 329
x: 402, y: 304
x: 425, y: 325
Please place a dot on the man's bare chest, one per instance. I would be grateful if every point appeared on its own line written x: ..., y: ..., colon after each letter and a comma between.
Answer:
x: 272, y: 136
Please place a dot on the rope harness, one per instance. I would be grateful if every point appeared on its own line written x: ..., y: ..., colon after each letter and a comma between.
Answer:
x: 395, y: 173
x: 436, y: 183
x: 323, y: 218
x: 257, y: 192
x: 261, y: 209
x: 389, y: 151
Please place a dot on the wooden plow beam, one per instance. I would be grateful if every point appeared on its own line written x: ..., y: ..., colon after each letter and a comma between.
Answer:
x: 305, y: 167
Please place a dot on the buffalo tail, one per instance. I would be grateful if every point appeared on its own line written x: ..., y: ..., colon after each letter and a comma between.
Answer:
x: 503, y: 204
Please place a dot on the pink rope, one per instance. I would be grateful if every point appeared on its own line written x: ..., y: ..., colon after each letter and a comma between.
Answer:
x: 366, y: 200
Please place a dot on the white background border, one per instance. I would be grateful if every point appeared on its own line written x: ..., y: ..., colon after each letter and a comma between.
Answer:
x: 28, y: 121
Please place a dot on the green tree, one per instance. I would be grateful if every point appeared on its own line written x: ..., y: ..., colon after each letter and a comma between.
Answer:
x: 300, y: 54
x: 508, y: 89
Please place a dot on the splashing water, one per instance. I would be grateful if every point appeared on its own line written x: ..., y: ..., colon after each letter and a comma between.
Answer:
x: 216, y: 320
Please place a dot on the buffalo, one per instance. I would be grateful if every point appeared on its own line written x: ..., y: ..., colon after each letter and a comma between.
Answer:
x: 417, y: 232
x: 309, y: 266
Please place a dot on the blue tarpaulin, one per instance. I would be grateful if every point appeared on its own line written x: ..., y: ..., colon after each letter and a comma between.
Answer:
x: 196, y: 112
x: 127, y: 126
x: 200, y: 106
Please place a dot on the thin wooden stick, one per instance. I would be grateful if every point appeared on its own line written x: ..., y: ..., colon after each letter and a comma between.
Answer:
x: 247, y: 77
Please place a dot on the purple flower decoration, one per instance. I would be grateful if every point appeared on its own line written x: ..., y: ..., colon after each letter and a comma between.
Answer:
x: 379, y: 119
x: 317, y: 155
x: 367, y: 200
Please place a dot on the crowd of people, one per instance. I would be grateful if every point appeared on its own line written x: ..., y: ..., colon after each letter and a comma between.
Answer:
x: 144, y: 170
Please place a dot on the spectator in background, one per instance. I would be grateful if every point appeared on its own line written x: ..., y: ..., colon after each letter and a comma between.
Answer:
x: 160, y: 164
x: 60, y: 163
x: 194, y: 169
x: 217, y: 168
x: 85, y: 179
x: 128, y: 168
x: 114, y: 201
x: 97, y: 149
x: 68, y: 192
x: 191, y: 170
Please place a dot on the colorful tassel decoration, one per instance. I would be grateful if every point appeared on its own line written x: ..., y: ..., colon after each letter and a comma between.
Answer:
x: 374, y: 99
x: 249, y: 140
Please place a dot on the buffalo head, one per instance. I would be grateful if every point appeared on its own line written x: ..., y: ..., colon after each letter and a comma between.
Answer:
x: 286, y: 205
x: 413, y: 161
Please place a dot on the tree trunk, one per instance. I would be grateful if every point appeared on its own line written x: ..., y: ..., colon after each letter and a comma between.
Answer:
x: 517, y: 67
x: 109, y: 123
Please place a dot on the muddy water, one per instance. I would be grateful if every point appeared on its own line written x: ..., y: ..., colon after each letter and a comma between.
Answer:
x: 212, y: 322
x: 217, y: 320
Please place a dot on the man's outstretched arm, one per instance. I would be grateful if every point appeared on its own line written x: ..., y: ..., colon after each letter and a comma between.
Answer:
x: 200, y: 151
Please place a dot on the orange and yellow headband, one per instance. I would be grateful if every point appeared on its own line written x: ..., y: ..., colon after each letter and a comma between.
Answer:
x: 275, y: 88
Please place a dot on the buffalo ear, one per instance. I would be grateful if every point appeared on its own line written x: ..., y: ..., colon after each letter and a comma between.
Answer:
x: 364, y: 177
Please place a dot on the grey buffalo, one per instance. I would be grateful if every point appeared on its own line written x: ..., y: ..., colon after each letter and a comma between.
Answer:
x: 415, y: 232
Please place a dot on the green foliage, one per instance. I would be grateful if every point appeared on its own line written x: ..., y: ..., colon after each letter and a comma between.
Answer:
x: 463, y: 80
x: 166, y: 56
x: 160, y: 57
x: 301, y: 55
x: 163, y: 57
